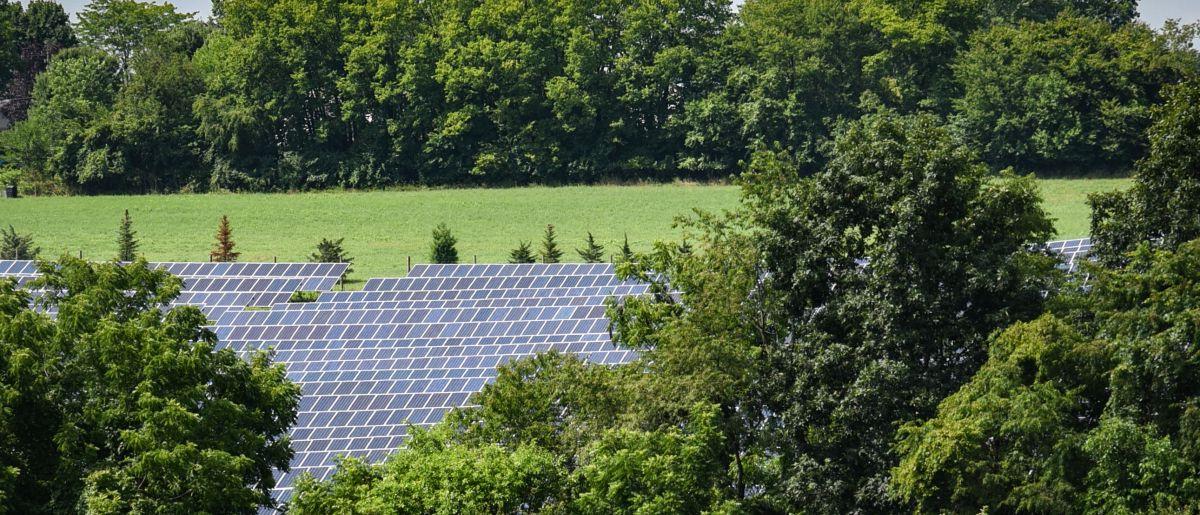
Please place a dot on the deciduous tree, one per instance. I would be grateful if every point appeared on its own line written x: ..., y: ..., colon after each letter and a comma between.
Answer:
x: 1160, y: 209
x: 891, y: 267
x: 1089, y: 409
x: 1068, y: 95
x: 123, y: 26
x: 129, y: 407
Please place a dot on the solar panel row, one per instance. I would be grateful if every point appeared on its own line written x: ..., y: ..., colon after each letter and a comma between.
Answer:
x: 504, y: 270
x: 9, y: 267
x: 228, y: 270
x: 490, y: 283
x: 382, y: 296
x: 219, y: 285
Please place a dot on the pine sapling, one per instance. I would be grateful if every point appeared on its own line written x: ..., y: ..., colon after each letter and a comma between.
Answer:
x: 591, y: 252
x: 550, y: 252
x: 626, y: 252
x: 331, y: 251
x: 522, y: 254
x: 17, y: 246
x: 127, y: 243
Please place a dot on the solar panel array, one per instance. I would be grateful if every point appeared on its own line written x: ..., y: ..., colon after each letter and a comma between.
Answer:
x: 373, y: 363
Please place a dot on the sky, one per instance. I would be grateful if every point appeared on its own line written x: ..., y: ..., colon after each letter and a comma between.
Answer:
x: 1153, y: 12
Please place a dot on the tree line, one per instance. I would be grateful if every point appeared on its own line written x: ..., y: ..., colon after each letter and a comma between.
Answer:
x: 295, y: 94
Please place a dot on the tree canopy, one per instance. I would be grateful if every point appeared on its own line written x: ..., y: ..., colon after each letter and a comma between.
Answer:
x: 1070, y: 94
x: 1089, y: 409
x: 115, y: 406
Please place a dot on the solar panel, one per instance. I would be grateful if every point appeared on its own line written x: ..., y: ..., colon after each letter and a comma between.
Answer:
x: 1072, y: 252
x: 277, y: 270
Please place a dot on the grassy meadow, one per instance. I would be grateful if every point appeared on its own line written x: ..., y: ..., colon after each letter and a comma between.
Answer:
x: 382, y: 229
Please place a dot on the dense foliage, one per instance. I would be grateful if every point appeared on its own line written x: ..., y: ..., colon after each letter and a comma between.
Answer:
x: 873, y: 330
x: 116, y: 406
x: 1160, y: 209
x: 891, y: 268
x: 1094, y: 408
x: 294, y: 94
x: 1071, y: 94
x: 29, y: 36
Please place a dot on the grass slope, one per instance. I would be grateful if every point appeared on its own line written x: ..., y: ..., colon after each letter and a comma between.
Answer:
x: 383, y: 228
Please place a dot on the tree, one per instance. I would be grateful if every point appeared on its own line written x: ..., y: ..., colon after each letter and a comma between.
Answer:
x: 127, y: 243
x: 1089, y: 409
x: 331, y: 251
x: 1071, y: 94
x: 550, y: 253
x: 522, y: 254
x: 123, y: 26
x: 152, y: 124
x: 76, y: 91
x: 131, y: 407
x: 1159, y: 209
x: 626, y: 251
x: 223, y: 249
x: 591, y: 252
x: 41, y: 30
x: 701, y: 332
x: 443, y: 249
x: 10, y: 15
x: 17, y: 246
x: 885, y: 273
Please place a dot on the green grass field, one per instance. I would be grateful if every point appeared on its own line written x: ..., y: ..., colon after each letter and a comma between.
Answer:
x: 382, y: 229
